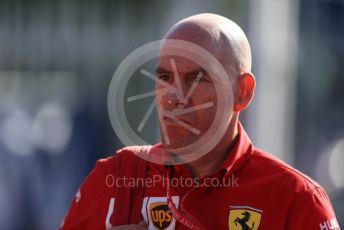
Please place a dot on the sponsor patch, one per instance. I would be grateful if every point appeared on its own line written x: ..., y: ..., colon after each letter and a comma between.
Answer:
x: 157, y: 214
x: 244, y: 218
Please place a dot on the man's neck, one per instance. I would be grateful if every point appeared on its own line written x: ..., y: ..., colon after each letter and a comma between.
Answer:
x: 210, y: 162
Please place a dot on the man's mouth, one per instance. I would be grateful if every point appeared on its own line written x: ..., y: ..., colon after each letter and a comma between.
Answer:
x: 180, y: 121
x: 176, y: 119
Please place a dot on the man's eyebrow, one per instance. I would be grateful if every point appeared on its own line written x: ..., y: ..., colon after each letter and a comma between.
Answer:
x: 160, y: 69
x: 197, y: 71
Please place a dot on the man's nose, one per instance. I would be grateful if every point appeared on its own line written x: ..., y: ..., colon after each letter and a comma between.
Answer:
x: 180, y: 89
x: 175, y: 95
x: 174, y: 99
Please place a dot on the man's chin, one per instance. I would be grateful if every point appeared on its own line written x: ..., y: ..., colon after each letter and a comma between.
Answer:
x: 173, y: 145
x: 178, y: 140
x: 178, y: 145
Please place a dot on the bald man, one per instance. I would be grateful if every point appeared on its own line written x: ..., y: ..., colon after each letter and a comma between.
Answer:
x: 227, y: 183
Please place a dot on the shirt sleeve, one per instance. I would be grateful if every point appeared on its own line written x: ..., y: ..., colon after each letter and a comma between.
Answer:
x: 91, y: 203
x: 312, y: 209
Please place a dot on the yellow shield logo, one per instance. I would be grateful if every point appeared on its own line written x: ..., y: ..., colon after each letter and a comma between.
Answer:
x: 244, y: 218
x: 160, y: 215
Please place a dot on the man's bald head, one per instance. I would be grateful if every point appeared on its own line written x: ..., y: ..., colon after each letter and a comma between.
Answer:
x: 220, y: 36
x: 190, y: 79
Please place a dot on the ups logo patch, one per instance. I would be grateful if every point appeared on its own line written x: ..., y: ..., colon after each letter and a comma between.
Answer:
x: 156, y: 213
x: 244, y: 218
x: 160, y: 215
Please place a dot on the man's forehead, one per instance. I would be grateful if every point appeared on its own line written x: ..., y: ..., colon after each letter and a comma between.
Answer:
x: 169, y: 62
x: 187, y: 58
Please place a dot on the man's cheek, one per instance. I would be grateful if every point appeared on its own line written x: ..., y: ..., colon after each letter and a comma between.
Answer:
x: 205, y: 119
x: 160, y: 100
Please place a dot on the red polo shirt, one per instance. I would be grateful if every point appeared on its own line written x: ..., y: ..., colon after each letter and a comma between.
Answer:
x: 251, y: 190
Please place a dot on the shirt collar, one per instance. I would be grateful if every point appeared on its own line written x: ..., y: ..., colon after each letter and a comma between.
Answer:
x: 239, y: 153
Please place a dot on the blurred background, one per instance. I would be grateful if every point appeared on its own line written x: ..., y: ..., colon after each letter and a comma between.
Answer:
x: 57, y: 59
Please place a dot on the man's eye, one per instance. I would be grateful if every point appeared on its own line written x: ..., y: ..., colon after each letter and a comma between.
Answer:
x: 164, y: 77
x: 197, y: 78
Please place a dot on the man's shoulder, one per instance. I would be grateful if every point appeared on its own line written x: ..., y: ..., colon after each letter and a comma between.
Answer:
x: 302, y: 195
x: 124, y: 156
x: 279, y: 171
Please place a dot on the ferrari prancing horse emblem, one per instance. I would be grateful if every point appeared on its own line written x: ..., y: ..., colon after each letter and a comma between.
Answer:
x: 244, y: 218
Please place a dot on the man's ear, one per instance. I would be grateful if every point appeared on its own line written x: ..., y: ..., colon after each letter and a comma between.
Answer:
x: 245, y: 84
